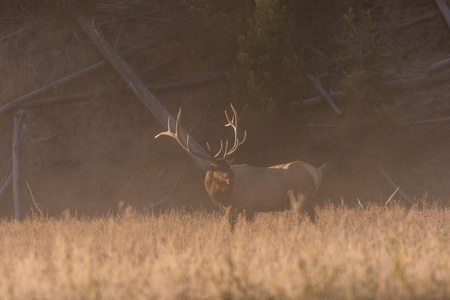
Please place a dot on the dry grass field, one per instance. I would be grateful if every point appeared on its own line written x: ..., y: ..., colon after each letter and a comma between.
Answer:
x: 94, y: 147
x: 377, y: 253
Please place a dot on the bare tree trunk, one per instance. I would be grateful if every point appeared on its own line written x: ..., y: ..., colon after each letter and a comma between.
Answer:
x: 136, y: 84
x: 17, y: 134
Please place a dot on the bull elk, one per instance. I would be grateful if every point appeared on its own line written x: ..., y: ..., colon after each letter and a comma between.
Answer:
x: 248, y: 189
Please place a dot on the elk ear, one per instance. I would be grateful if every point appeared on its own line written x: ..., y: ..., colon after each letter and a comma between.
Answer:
x: 230, y: 161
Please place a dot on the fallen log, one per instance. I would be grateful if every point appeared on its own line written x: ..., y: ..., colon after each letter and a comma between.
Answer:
x: 419, y: 81
x: 324, y: 94
x: 135, y: 83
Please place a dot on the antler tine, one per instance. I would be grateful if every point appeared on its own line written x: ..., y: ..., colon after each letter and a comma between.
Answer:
x: 176, y: 135
x: 220, y: 150
x: 237, y: 143
x: 177, y: 123
x: 168, y: 124
x: 243, y: 139
x: 187, y: 143
x: 226, y: 148
x: 228, y: 119
x: 234, y: 124
x: 164, y: 132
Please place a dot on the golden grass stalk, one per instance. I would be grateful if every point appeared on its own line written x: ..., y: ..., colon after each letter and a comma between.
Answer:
x: 378, y: 253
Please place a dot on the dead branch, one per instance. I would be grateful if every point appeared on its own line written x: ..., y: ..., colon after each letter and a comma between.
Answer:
x: 156, y: 181
x: 162, y: 200
x: 25, y: 98
x: 320, y: 53
x: 407, y: 22
x: 188, y: 82
x: 159, y: 64
x: 324, y: 168
x: 433, y: 75
x: 193, y: 81
x: 5, y: 182
x: 428, y: 121
x: 67, y: 98
x: 439, y: 66
x: 161, y: 173
x: 144, y: 14
x: 34, y: 201
x: 445, y: 11
x: 18, y: 31
x: 9, y: 174
x: 389, y: 179
x: 419, y: 81
x: 121, y: 194
x: 392, y: 196
x: 316, y: 100
x: 324, y: 94
x: 324, y: 125
x: 360, y: 204
x: 32, y: 142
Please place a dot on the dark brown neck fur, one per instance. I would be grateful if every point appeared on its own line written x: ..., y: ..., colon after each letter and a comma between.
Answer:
x: 218, y: 185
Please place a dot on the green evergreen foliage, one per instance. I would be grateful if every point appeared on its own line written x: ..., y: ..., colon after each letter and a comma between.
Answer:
x: 315, y: 21
x: 266, y: 76
x: 218, y: 25
x: 362, y: 62
x: 267, y: 62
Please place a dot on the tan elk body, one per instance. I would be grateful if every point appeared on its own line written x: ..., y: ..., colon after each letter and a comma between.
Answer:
x: 251, y: 189
x: 248, y: 189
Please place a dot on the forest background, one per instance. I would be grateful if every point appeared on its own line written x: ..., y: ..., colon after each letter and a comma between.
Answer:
x: 89, y: 145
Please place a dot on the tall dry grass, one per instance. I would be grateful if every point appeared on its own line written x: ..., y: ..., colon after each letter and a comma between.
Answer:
x: 378, y: 253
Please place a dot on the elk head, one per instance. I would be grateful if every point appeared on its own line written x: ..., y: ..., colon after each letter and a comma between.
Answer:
x: 219, y: 175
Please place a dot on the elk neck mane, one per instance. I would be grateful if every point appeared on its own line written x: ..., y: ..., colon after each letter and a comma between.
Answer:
x: 219, y: 182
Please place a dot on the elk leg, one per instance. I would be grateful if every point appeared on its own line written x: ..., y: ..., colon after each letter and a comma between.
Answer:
x: 310, y: 210
x: 232, y: 217
x: 249, y: 215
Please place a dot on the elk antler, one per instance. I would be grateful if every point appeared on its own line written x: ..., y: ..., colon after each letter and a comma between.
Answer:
x: 212, y: 158
x: 176, y: 136
x: 234, y: 124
